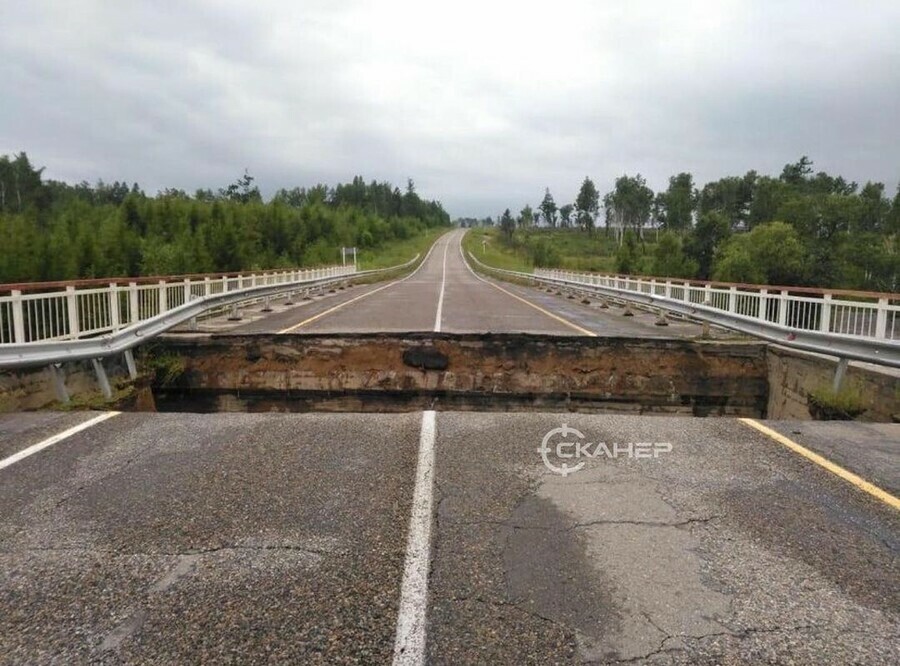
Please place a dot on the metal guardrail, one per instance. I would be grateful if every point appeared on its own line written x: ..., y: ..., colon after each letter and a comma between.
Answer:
x: 866, y: 328
x: 45, y: 328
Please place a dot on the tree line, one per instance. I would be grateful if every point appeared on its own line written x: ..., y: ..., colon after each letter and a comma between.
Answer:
x: 799, y: 228
x: 52, y: 230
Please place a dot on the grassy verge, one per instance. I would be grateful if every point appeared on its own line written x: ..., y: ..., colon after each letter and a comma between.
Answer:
x: 487, y: 246
x: 549, y: 248
x: 393, y: 254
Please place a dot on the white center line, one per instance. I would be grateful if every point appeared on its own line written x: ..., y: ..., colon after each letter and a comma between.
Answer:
x: 440, y: 305
x: 409, y: 642
x: 50, y: 441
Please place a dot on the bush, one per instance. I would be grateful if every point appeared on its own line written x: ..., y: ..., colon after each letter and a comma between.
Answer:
x: 826, y: 404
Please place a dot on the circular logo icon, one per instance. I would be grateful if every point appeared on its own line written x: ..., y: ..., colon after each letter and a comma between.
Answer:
x: 545, y: 450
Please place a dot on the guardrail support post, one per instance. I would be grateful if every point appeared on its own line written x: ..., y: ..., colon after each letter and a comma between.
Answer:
x: 235, y: 313
x: 839, y: 373
x: 163, y: 297
x: 72, y: 310
x: 134, y: 314
x: 114, y: 319
x: 102, y: 379
x: 881, y: 319
x: 59, y: 382
x: 782, y: 308
x: 825, y: 316
x: 18, y: 316
x: 130, y: 364
x: 267, y: 306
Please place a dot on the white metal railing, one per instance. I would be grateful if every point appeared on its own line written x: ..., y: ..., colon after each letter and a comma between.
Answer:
x: 44, y: 312
x: 857, y: 314
x: 861, y: 326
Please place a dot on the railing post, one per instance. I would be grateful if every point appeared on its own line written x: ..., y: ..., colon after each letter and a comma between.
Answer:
x: 206, y: 286
x: 114, y: 306
x: 881, y: 319
x: 668, y: 289
x: 825, y: 316
x: 163, y: 297
x: 707, y: 295
x: 763, y: 304
x: 72, y: 310
x: 187, y: 291
x: 782, y: 308
x: 133, y: 305
x: 732, y: 299
x: 18, y: 316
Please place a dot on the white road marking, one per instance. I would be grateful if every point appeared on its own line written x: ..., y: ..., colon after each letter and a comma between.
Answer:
x: 290, y: 329
x: 50, y: 441
x: 561, y: 320
x: 440, y: 307
x: 409, y: 642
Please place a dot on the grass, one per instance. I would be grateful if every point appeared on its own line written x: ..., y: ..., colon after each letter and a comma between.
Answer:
x: 826, y: 404
x: 393, y: 254
x: 487, y: 246
x: 550, y: 248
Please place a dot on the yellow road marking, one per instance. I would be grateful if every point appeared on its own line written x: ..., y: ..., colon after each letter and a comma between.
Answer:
x: 821, y: 461
x: 561, y: 320
x: 368, y: 293
x: 336, y: 307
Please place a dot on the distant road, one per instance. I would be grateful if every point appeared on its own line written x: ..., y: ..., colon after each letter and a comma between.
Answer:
x: 468, y: 303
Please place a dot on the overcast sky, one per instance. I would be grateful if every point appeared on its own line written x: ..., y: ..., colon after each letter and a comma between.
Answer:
x: 482, y: 103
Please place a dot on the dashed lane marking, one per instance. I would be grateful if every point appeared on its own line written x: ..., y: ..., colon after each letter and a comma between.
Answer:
x: 440, y: 303
x: 409, y: 642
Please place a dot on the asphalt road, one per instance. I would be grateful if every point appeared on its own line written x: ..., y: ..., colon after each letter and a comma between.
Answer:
x: 470, y: 304
x: 365, y: 538
x: 243, y: 538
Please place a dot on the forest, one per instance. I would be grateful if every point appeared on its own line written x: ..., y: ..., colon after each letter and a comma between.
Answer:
x: 798, y: 228
x: 52, y: 230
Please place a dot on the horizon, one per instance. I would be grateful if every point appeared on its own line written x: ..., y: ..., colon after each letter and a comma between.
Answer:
x: 483, y: 115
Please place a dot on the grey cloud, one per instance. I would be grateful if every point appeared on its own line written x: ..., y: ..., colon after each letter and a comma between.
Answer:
x: 483, y: 105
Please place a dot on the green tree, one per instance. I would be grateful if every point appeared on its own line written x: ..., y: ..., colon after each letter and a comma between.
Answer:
x: 526, y: 218
x: 587, y: 204
x: 669, y: 258
x: 711, y: 231
x: 565, y: 215
x: 628, y: 255
x: 507, y: 223
x: 776, y: 254
x: 875, y: 208
x: 548, y: 208
x: 628, y: 206
x: 675, y: 206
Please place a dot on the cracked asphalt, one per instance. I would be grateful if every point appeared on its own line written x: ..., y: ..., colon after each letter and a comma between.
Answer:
x: 282, y: 538
x: 247, y: 538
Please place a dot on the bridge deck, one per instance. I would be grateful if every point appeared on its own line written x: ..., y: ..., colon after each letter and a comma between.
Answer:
x: 176, y: 538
